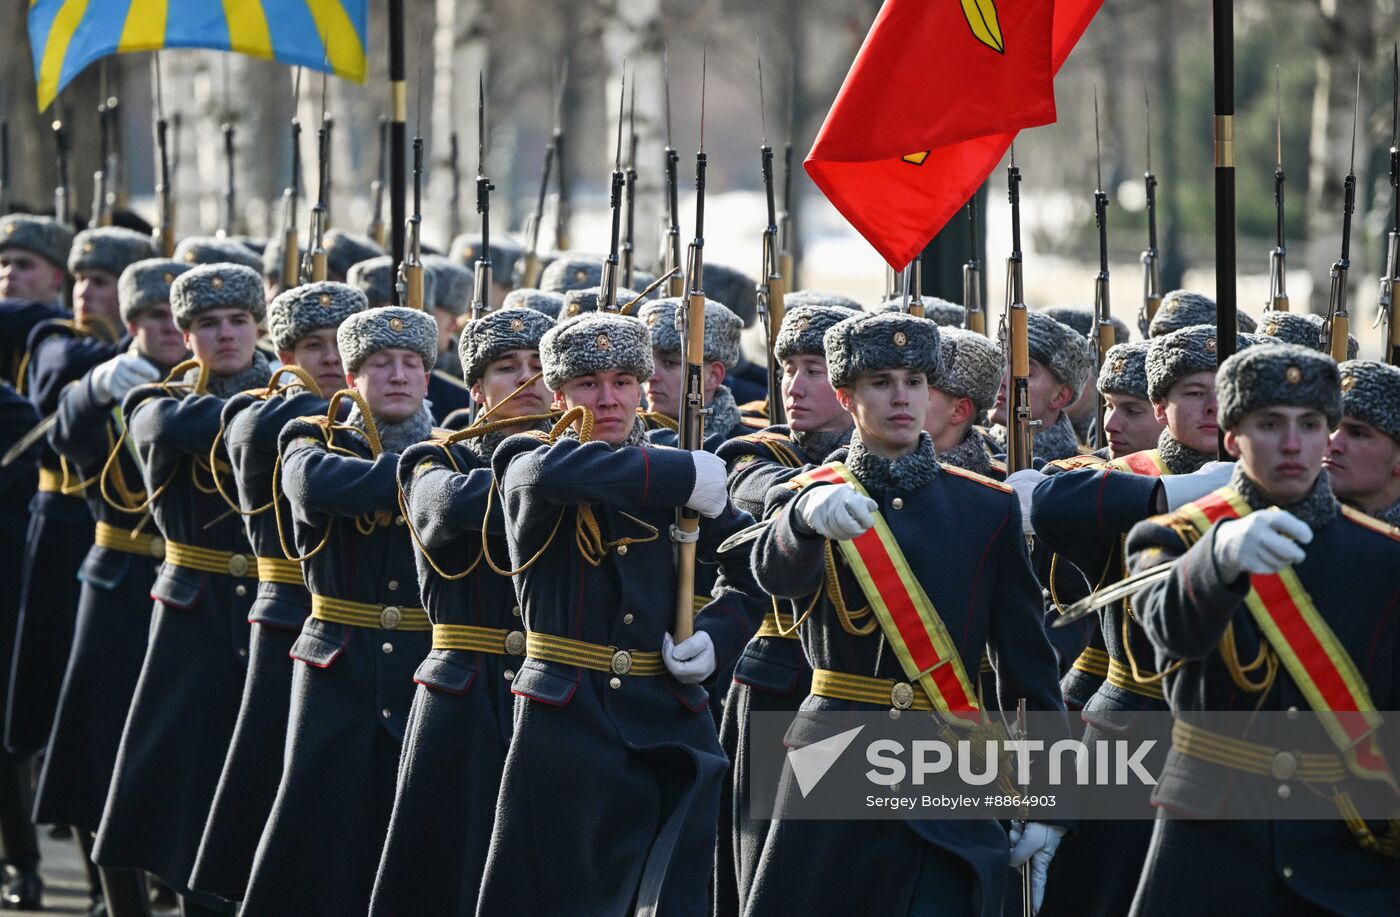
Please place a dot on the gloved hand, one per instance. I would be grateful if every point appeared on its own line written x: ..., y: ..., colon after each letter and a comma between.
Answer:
x: 1024, y: 482
x: 836, y: 511
x: 119, y: 375
x: 709, y: 495
x: 692, y: 661
x: 1181, y: 489
x: 1037, y: 843
x: 1262, y: 542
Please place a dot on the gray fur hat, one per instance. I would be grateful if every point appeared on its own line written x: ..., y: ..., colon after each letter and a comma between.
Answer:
x: 344, y: 250
x: 722, y: 329
x: 1353, y: 345
x: 804, y: 326
x: 1279, y: 375
x: 577, y: 302
x: 366, y: 333
x: 734, y: 288
x: 1180, y: 353
x: 452, y: 284
x: 550, y: 304
x: 594, y: 342
x: 972, y: 367
x: 1124, y: 370
x: 1059, y: 348
x: 486, y: 338
x: 205, y: 287
x: 44, y: 236
x: 871, y: 342
x: 1371, y: 394
x: 147, y: 283
x: 799, y: 298
x: 272, y: 258
x: 301, y: 310
x: 213, y: 250
x: 505, y: 251
x: 1291, y: 328
x: 1084, y: 321
x: 572, y: 271
x: 942, y: 313
x: 108, y: 248
x: 376, y: 278
x: 1183, y: 308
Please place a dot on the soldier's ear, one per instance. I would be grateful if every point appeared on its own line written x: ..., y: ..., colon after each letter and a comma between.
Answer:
x: 963, y: 409
x: 1159, y: 411
x: 844, y: 398
x: 1232, y: 444
x: 1064, y: 397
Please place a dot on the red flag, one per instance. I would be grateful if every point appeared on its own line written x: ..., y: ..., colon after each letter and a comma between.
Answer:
x: 934, y: 97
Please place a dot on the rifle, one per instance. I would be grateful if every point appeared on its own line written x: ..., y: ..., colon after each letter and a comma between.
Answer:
x: 691, y: 427
x: 61, y: 210
x: 1391, y: 280
x: 671, y: 235
x: 454, y: 200
x: 481, y: 287
x: 165, y: 211
x: 562, y: 213
x: 770, y: 283
x: 99, y: 177
x: 116, y: 186
x: 4, y: 167
x: 227, y: 227
x: 914, y: 287
x: 410, y: 275
x: 629, y: 194
x: 787, y: 224
x: 974, y: 317
x: 313, y: 266
x: 530, y: 266
x: 1151, y: 263
x: 377, y: 187
x: 607, y: 291
x: 1014, y: 338
x: 1278, y: 266
x: 291, y: 246
x: 1338, y: 324
x: 1102, y: 313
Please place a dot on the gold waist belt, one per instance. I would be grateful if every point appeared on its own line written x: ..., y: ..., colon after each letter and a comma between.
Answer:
x: 1092, y: 661
x: 116, y: 538
x: 280, y: 570
x: 50, y: 481
x: 883, y: 692
x: 770, y: 628
x: 1120, y: 676
x: 363, y: 614
x: 594, y: 656
x: 474, y: 639
x: 1259, y: 760
x: 206, y: 560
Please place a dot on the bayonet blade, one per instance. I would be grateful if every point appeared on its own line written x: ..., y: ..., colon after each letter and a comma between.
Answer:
x: 762, y: 108
x: 1278, y: 122
x: 1355, y: 112
x: 704, y: 74
x: 1147, y: 110
x: 666, y: 79
x: 1098, y: 149
x: 481, y: 122
x: 621, y: 108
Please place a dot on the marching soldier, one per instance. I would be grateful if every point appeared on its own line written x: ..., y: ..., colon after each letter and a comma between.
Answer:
x: 550, y: 304
x: 357, y: 651
x: 344, y: 250
x: 1363, y: 457
x: 460, y: 727
x: 302, y: 324
x: 505, y: 252
x: 114, y: 609
x: 963, y: 390
x: 452, y: 292
x: 942, y: 313
x: 1129, y: 420
x: 1301, y: 328
x: 1061, y: 362
x: 33, y: 255
x: 1083, y: 412
x: 611, y: 720
x: 772, y: 673
x: 880, y: 365
x: 186, y: 701
x: 217, y: 250
x: 1276, y: 529
x: 663, y: 388
x: 1184, y: 308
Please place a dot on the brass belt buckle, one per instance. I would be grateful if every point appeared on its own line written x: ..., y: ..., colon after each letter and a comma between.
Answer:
x: 1284, y: 765
x: 902, y: 695
x: 238, y: 565
x: 515, y: 643
x: 621, y: 662
x: 390, y: 617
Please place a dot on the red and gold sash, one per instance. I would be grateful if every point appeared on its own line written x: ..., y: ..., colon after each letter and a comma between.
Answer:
x: 1147, y: 462
x: 908, y: 619
x: 1308, y: 649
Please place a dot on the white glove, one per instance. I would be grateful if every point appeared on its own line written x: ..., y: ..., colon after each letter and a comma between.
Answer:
x: 1024, y: 482
x: 692, y: 661
x: 119, y: 375
x: 1262, y: 542
x: 710, y: 494
x: 1181, y: 489
x: 1037, y: 843
x: 836, y: 511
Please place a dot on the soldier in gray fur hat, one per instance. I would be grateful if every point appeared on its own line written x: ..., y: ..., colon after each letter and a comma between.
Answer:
x: 663, y: 387
x: 144, y: 293
x: 939, y: 311
x: 216, y: 250
x: 303, y: 324
x: 799, y: 298
x: 1083, y: 411
x: 33, y: 252
x: 550, y: 304
x: 572, y: 271
x: 1129, y: 419
x: 452, y: 293
x: 505, y: 252
x: 1353, y: 345
x: 377, y: 277
x: 734, y: 289
x: 1181, y: 384
x: 1363, y: 456
x: 959, y: 395
x: 499, y: 353
x: 1291, y: 328
x: 387, y: 328
x: 344, y: 250
x: 577, y: 302
x: 1184, y: 308
x: 1061, y: 361
x: 96, y: 261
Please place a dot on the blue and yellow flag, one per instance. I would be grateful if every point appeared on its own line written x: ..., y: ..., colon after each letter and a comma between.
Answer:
x: 67, y: 35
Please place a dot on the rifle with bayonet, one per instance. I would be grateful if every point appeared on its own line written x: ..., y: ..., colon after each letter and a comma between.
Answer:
x: 671, y: 236
x: 99, y: 178
x: 481, y: 288
x: 1151, y: 261
x: 454, y: 200
x: 4, y: 167
x: 227, y: 225
x: 530, y: 265
x: 410, y: 274
x: 380, y: 184
x: 61, y: 211
x: 1278, y: 258
x: 770, y: 284
x: 165, y: 211
x: 629, y: 195
x: 787, y: 225
x: 562, y: 211
x: 116, y: 186
x: 313, y: 266
x: 607, y: 290
x: 1338, y: 325
x: 974, y: 318
x: 291, y: 246
x: 691, y: 423
x: 1014, y: 338
x: 1390, y: 283
x: 1103, y: 314
x: 914, y: 287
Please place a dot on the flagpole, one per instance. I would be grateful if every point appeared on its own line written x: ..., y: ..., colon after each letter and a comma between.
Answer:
x: 1225, y: 315
x: 398, y: 133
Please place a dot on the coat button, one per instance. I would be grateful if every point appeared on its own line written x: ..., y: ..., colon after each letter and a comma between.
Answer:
x: 1291, y: 713
x: 627, y: 618
x: 509, y: 674
x: 614, y: 682
x: 240, y: 589
x: 622, y: 550
x: 515, y: 610
x: 1288, y: 872
x: 398, y: 520
x: 387, y: 648
x: 393, y: 584
x: 242, y: 652
x: 897, y: 503
x: 1284, y: 791
x: 386, y: 713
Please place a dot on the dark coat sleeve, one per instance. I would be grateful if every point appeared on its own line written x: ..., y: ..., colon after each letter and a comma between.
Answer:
x: 443, y: 504
x: 1082, y: 514
x: 80, y: 431
x: 17, y: 417
x: 787, y: 559
x: 320, y: 483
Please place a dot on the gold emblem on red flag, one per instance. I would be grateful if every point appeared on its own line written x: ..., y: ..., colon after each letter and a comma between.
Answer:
x: 982, y: 19
x: 915, y: 159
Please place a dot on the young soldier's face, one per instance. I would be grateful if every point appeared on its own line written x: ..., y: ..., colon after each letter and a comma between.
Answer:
x: 947, y: 418
x: 319, y: 354
x: 95, y: 293
x: 24, y: 275
x: 808, y: 398
x: 1281, y: 449
x: 504, y: 375
x: 1364, y: 464
x: 613, y: 398
x: 1130, y: 423
x: 393, y: 382
x: 1189, y: 412
x: 1047, y: 395
x: 156, y: 336
x: 889, y: 408
x: 223, y: 340
x: 664, y: 386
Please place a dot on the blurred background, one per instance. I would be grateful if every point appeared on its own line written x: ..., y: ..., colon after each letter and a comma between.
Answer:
x: 1141, y: 56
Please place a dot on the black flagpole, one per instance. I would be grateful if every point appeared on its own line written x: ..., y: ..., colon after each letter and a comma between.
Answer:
x: 398, y: 133
x: 1225, y: 317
